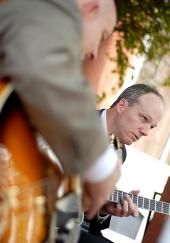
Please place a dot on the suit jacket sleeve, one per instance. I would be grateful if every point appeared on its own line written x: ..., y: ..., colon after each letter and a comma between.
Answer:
x: 41, y: 42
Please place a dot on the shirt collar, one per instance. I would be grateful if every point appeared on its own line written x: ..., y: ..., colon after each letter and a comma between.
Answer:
x: 103, y: 119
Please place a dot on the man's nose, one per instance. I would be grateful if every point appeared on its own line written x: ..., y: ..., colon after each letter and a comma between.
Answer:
x: 145, y: 131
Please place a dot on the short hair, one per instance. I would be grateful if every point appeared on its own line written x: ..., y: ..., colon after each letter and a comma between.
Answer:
x: 133, y: 92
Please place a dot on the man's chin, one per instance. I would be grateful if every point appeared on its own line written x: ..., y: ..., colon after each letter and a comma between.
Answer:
x: 128, y: 142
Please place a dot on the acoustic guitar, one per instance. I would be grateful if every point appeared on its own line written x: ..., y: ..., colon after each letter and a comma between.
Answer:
x: 30, y: 184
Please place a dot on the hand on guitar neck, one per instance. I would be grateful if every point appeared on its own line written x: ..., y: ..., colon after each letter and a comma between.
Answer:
x: 123, y: 204
x: 124, y: 208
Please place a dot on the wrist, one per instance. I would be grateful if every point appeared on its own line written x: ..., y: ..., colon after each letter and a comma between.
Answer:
x: 102, y: 216
x: 102, y: 213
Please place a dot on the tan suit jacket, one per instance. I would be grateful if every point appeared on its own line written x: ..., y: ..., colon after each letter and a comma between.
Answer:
x: 40, y: 49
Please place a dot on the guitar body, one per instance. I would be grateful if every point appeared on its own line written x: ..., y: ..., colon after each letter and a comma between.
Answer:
x: 28, y: 184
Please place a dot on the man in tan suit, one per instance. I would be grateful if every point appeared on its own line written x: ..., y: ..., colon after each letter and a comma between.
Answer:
x: 41, y: 46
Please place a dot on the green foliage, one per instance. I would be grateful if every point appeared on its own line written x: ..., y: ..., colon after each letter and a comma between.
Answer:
x: 167, y: 82
x: 144, y: 27
x: 100, y: 98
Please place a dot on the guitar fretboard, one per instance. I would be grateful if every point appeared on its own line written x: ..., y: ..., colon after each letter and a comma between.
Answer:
x: 142, y: 202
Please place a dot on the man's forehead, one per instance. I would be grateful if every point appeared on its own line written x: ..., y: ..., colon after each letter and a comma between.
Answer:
x: 150, y: 97
x: 152, y: 104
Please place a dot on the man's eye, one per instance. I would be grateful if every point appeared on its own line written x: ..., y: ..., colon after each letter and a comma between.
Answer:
x: 145, y: 118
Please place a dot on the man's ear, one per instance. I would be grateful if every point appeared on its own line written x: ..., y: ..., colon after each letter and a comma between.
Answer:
x: 89, y: 8
x: 121, y: 105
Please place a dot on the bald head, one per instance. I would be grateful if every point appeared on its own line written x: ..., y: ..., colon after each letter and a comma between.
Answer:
x: 99, y: 19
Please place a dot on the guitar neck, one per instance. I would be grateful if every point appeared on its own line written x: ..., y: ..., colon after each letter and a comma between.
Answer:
x: 142, y: 202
